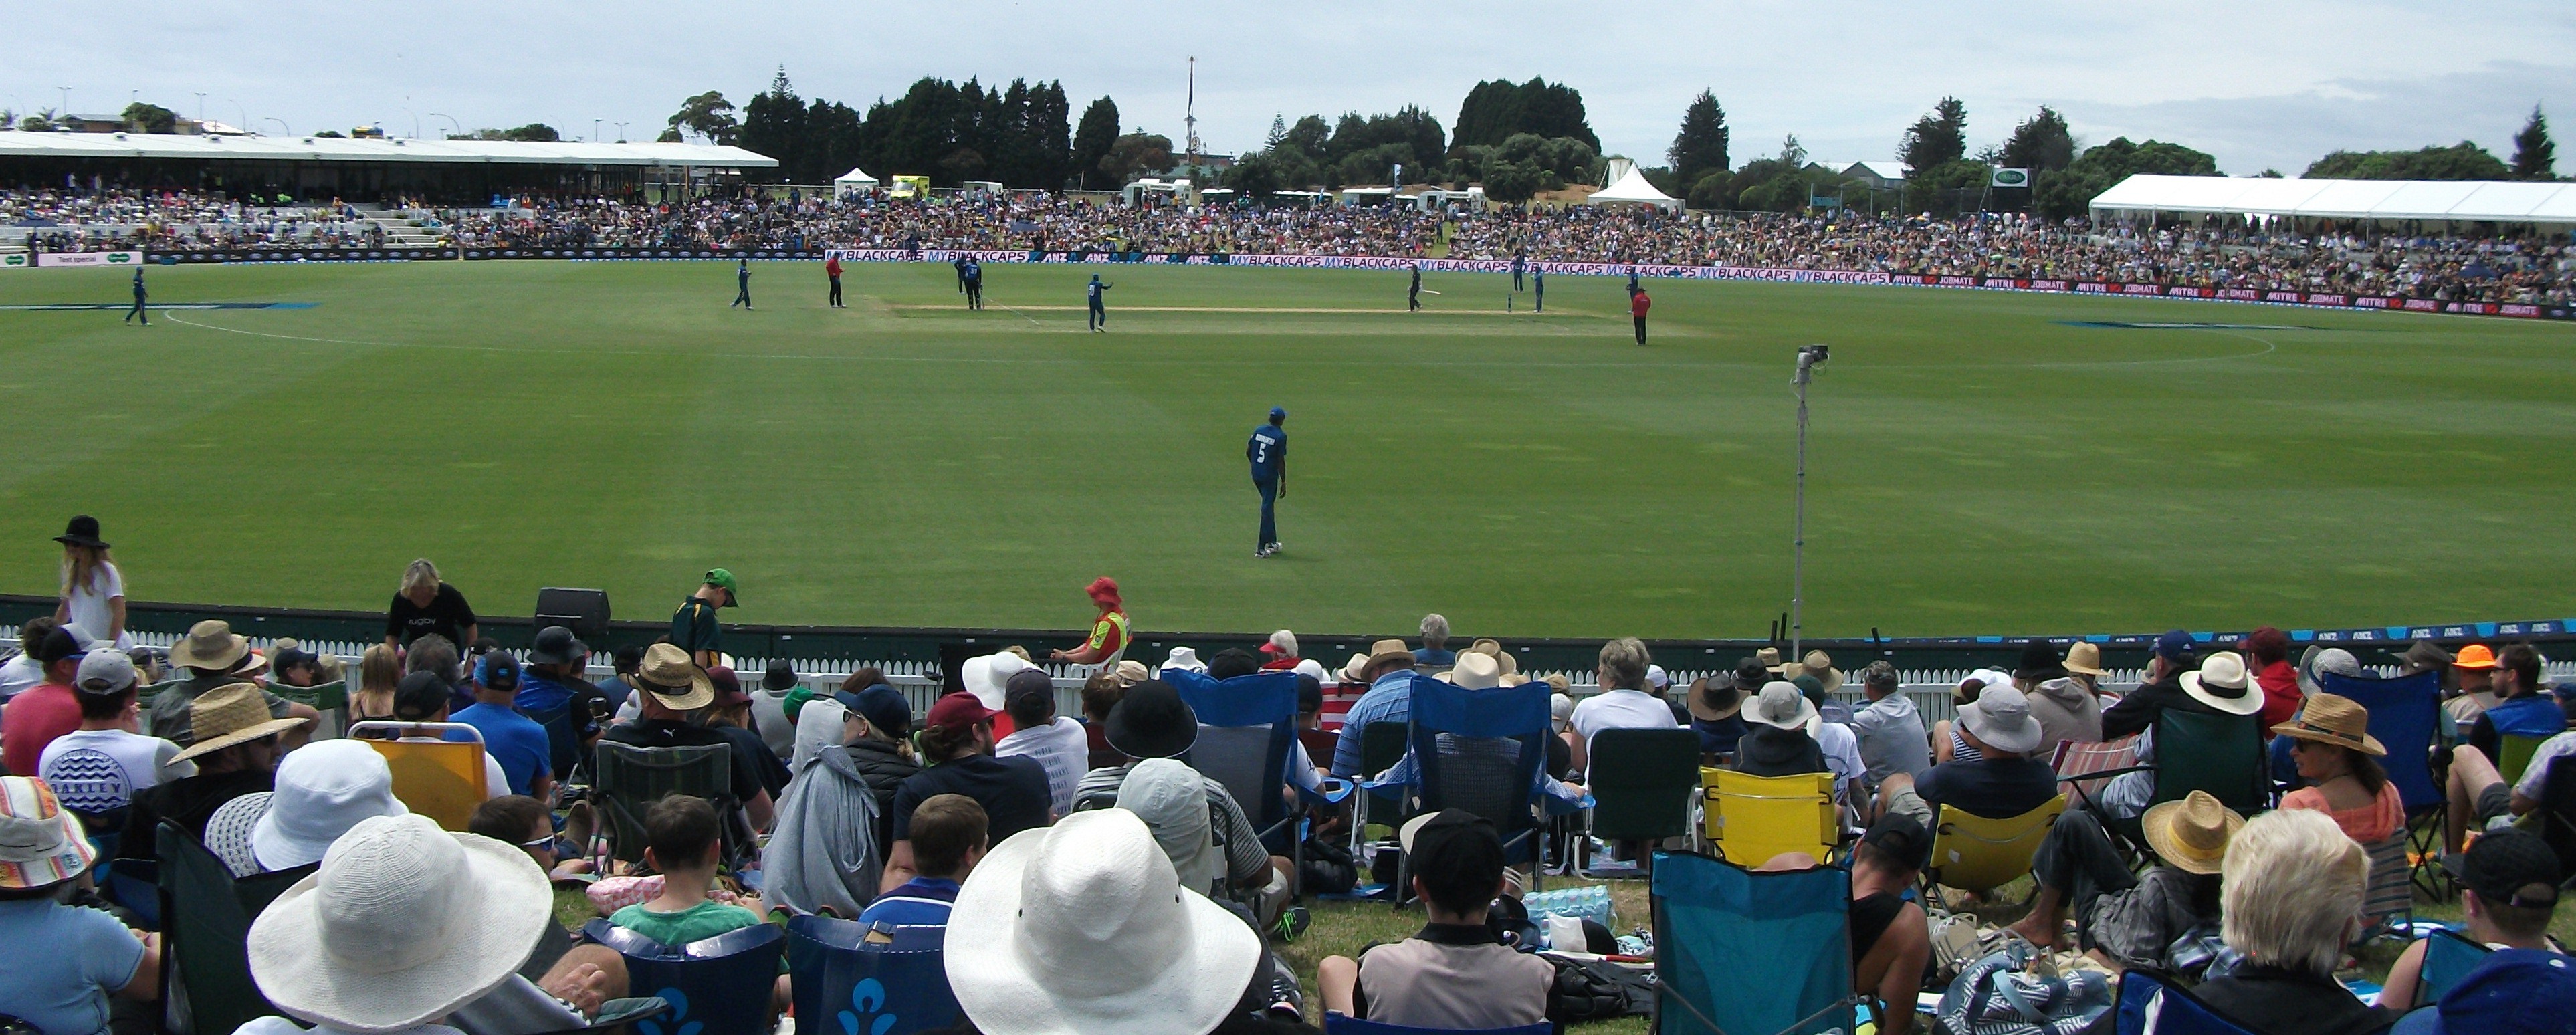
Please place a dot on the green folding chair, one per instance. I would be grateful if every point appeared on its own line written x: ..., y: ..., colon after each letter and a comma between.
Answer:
x: 1642, y: 783
x: 206, y: 916
x: 630, y: 779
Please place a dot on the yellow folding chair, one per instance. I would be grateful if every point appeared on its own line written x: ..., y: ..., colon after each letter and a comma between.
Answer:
x: 1979, y: 854
x: 2513, y: 755
x: 440, y: 779
x: 1752, y: 818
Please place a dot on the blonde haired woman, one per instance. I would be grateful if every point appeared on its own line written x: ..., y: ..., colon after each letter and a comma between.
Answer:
x: 2291, y: 894
x: 378, y: 672
x: 427, y: 605
x: 93, y: 595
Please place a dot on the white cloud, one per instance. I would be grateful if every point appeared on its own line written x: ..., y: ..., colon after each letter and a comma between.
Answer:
x: 2257, y: 84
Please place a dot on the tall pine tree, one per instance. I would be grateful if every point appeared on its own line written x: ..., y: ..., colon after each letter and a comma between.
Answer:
x: 1092, y: 140
x: 1700, y: 148
x: 2535, y: 156
x: 1937, y: 139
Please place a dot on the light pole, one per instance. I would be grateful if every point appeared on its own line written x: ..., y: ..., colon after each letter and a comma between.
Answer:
x: 281, y: 124
x: 1809, y: 358
x: 66, y: 110
x: 594, y: 130
x: 621, y: 132
x: 451, y: 121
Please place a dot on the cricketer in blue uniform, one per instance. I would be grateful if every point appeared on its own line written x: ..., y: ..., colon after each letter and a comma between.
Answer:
x: 1268, y: 452
x: 742, y: 285
x: 1099, y: 319
x: 139, y: 295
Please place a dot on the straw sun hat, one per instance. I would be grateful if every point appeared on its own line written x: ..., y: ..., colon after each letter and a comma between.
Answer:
x: 2333, y: 719
x: 2191, y: 834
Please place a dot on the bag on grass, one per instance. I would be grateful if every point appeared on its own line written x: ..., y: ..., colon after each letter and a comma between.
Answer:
x: 2004, y: 994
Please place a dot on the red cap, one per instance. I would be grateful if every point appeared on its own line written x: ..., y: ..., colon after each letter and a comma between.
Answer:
x: 1103, y: 588
x: 1270, y: 648
x: 958, y: 709
x: 727, y: 685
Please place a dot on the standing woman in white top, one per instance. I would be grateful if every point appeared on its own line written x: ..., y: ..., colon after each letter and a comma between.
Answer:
x: 93, y: 590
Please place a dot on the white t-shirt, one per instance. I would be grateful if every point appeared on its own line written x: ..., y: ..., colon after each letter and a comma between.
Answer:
x: 2536, y: 775
x: 19, y: 674
x: 1061, y: 748
x: 1842, y: 755
x: 1619, y: 710
x: 89, y: 605
x: 98, y: 770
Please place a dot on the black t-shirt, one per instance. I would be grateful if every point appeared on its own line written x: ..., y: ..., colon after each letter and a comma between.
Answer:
x: 660, y: 733
x: 1012, y: 790
x: 447, y: 615
x: 1995, y: 788
x: 747, y: 744
x: 2281, y: 1002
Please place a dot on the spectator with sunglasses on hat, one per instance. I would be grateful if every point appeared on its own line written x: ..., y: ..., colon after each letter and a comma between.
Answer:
x: 2508, y: 893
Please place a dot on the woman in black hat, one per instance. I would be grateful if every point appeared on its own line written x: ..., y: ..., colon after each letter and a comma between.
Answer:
x: 93, y: 595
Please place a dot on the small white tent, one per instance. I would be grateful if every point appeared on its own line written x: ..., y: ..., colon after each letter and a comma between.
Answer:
x: 853, y: 180
x: 1633, y: 189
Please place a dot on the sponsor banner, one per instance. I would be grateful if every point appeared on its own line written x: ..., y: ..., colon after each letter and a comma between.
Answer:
x: 2394, y: 637
x: 17, y: 261
x: 80, y: 259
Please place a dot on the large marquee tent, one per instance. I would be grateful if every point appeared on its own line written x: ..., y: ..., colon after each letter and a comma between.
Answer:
x: 2385, y: 201
x: 1634, y: 189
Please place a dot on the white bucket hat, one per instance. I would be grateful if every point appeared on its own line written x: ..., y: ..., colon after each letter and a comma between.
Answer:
x: 1475, y: 672
x: 1311, y: 667
x: 2222, y: 683
x: 987, y: 676
x: 1781, y: 705
x: 2001, y: 717
x: 1186, y: 659
x: 322, y: 790
x: 1083, y: 927
x: 403, y: 924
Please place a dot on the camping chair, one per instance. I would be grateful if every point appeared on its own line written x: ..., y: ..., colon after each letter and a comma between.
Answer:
x: 2513, y: 755
x: 2405, y: 717
x: 2448, y: 957
x: 1247, y: 741
x: 134, y: 884
x: 2389, y: 900
x: 1979, y: 854
x: 2151, y: 1004
x: 1745, y: 953
x: 438, y: 778
x: 2078, y: 762
x: 1336, y: 1024
x: 1496, y: 748
x: 2557, y: 815
x: 1382, y: 745
x: 852, y: 977
x: 2220, y: 754
x: 1753, y: 818
x: 331, y: 699
x: 720, y: 986
x: 1642, y: 782
x: 630, y: 779
x: 206, y: 937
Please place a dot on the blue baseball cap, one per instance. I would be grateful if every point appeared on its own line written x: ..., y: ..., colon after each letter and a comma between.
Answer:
x: 883, y: 706
x: 496, y: 670
x: 1279, y: 413
x: 2515, y: 992
x: 2174, y: 646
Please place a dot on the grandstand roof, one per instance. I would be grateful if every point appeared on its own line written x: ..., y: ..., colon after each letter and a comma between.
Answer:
x: 2455, y: 201
x: 21, y: 144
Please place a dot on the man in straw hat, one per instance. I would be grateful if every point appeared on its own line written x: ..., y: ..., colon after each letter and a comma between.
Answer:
x: 1388, y: 672
x: 236, y: 754
x: 212, y: 656
x: 2339, y: 759
x: 406, y: 927
x: 2004, y: 781
x: 1083, y: 927
x: 2508, y: 893
x: 65, y: 960
x: 676, y: 695
x: 2220, y: 686
x: 2125, y: 919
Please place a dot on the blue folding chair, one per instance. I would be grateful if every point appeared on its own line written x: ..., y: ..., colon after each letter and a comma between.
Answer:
x: 868, y: 979
x: 1745, y: 953
x: 1248, y: 742
x: 2448, y: 957
x: 719, y: 986
x: 1480, y: 751
x: 2405, y: 717
x: 2153, y: 1005
x: 1336, y: 1024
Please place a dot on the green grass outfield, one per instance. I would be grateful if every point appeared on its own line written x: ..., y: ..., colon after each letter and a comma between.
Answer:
x: 1978, y: 465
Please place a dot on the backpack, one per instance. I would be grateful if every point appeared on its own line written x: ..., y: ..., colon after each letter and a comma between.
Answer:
x: 1598, y: 992
x: 1328, y: 868
x: 2006, y: 994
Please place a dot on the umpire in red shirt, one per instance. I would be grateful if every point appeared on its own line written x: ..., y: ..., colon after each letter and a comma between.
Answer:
x: 1638, y: 303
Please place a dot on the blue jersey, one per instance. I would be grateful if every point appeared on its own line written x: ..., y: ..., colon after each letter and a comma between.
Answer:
x: 1096, y: 288
x: 1268, y: 452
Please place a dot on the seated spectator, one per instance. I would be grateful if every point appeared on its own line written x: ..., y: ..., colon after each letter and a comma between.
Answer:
x: 1388, y: 674
x: 1780, y: 744
x: 22, y: 671
x: 438, y: 656
x: 2175, y: 654
x: 378, y: 670
x: 1056, y: 743
x: 675, y: 696
x: 98, y: 768
x: 423, y: 697
x: 1891, y: 939
x: 516, y: 741
x: 2267, y: 653
x: 36, y: 717
x: 1083, y: 927
x: 1716, y: 707
x: 730, y: 717
x: 2062, y: 702
x: 1816, y: 677
x: 2220, y: 686
x: 1099, y: 694
x: 1435, y: 652
x: 1172, y: 799
x: 1623, y: 702
x: 406, y: 925
x: 2291, y: 902
x: 68, y: 959
x: 1310, y: 701
x: 623, y: 663
x: 1280, y: 653
x: 827, y: 852
x: 1232, y: 662
x: 957, y: 744
x: 1453, y: 973
x: 2508, y: 890
x: 320, y: 791
x: 516, y: 819
x: 2473, y: 689
x: 2002, y: 782
x: 1892, y: 738
x: 769, y: 708
x: 2476, y: 791
x: 552, y: 682
x: 684, y: 844
x: 290, y: 665
x: 1833, y: 733
x: 236, y: 754
x: 2524, y: 707
x: 1152, y: 722
x: 948, y: 838
x: 2125, y: 919
x: 2514, y: 992
x: 1473, y: 765
x: 2339, y: 760
x: 213, y: 657
x: 825, y: 731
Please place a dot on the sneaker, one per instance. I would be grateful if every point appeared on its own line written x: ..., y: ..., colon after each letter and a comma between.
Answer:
x: 1263, y: 552
x: 1293, y: 921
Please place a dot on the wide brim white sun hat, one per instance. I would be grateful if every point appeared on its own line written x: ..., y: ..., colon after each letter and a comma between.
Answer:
x: 988, y: 675
x: 1083, y: 927
x: 403, y: 923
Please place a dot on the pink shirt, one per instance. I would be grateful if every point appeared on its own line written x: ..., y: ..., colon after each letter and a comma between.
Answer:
x: 2369, y: 824
x: 34, y: 719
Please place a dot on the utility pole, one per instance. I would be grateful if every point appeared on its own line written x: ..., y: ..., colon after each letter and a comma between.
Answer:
x: 1809, y: 358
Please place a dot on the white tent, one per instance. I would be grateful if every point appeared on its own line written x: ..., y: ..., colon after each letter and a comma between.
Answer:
x: 855, y: 179
x: 2431, y: 201
x: 1633, y: 189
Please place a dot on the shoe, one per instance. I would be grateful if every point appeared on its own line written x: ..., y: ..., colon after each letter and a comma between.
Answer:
x: 1293, y: 921
x: 1260, y: 552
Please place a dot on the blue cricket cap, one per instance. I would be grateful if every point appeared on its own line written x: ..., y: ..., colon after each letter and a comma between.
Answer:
x: 1279, y: 412
x: 2174, y: 646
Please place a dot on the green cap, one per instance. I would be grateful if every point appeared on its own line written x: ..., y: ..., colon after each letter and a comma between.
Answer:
x: 722, y: 579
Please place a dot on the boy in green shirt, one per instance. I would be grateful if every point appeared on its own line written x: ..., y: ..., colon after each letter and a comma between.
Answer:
x: 682, y: 842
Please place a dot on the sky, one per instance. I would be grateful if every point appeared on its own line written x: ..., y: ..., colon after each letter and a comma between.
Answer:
x: 2273, y: 85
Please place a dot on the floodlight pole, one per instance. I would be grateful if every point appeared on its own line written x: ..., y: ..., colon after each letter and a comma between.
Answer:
x: 1808, y: 358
